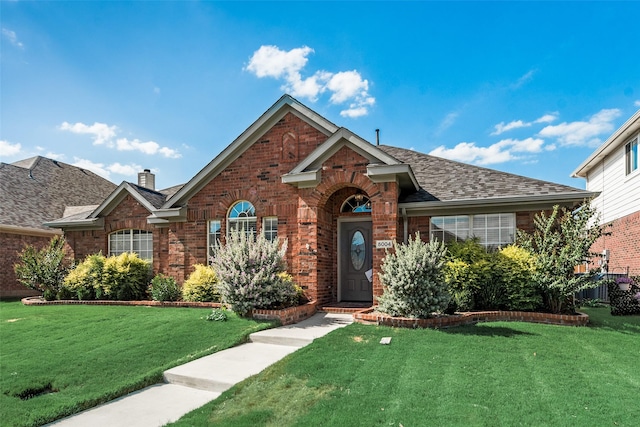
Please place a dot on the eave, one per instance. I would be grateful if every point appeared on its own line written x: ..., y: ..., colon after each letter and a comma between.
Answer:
x: 494, y: 205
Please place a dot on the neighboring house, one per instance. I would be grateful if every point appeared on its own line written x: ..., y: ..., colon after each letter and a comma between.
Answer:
x: 339, y: 201
x: 613, y: 170
x: 34, y: 191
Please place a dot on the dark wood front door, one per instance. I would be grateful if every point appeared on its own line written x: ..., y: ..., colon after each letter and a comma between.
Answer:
x: 356, y: 261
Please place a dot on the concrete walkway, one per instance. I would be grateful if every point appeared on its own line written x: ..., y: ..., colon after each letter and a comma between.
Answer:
x: 190, y: 386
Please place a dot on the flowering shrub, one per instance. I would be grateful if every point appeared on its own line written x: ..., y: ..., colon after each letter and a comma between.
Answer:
x: 164, y: 288
x: 202, y: 285
x: 218, y: 315
x: 250, y: 274
x: 413, y: 280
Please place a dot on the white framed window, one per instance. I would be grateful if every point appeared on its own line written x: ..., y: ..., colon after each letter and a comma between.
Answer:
x: 492, y: 230
x: 632, y: 157
x: 356, y: 203
x: 270, y: 228
x: 450, y: 228
x: 242, y: 216
x: 138, y: 241
x: 213, y: 238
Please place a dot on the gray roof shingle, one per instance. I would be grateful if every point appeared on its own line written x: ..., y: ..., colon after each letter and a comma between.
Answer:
x: 38, y: 189
x: 446, y: 180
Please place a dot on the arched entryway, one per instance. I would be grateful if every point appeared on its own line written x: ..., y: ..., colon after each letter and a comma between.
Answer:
x: 355, y: 250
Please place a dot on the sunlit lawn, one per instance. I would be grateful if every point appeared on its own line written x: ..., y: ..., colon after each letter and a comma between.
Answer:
x: 490, y: 374
x: 91, y: 354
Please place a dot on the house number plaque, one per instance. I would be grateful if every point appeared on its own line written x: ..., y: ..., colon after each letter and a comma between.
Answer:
x: 384, y: 244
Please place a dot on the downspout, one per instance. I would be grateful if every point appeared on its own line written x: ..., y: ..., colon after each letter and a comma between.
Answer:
x: 405, y: 223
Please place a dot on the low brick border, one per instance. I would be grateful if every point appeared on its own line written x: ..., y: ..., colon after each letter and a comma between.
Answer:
x: 286, y: 316
x: 370, y: 317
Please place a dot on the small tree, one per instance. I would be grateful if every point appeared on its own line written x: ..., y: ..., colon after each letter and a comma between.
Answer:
x: 559, y: 243
x: 43, y: 270
x: 413, y: 279
x: 249, y: 273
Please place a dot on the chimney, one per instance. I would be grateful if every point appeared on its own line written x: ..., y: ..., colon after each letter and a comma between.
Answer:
x: 147, y: 180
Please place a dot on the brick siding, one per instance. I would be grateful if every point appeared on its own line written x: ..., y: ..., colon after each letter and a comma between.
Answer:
x: 623, y: 244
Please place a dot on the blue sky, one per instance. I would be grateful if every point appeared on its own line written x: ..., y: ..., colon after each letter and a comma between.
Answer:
x: 524, y: 87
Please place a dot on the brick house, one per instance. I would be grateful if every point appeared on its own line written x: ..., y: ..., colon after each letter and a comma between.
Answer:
x: 33, y: 191
x: 339, y: 201
x: 613, y: 170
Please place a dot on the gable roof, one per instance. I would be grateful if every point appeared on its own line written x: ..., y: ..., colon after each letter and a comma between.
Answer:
x: 151, y: 200
x: 618, y: 138
x: 286, y: 104
x: 382, y: 166
x: 36, y: 190
x: 447, y: 184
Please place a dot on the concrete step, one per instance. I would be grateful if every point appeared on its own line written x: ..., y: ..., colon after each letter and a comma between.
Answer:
x: 220, y: 371
x: 150, y: 407
x: 303, y: 333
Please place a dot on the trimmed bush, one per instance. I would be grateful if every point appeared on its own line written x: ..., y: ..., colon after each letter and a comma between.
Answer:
x: 516, y: 266
x: 85, y: 278
x: 43, y: 270
x: 249, y: 273
x: 413, y: 280
x: 202, y: 285
x: 124, y: 277
x: 164, y: 288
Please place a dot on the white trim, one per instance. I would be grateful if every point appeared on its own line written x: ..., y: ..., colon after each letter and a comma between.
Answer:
x: 623, y: 133
x: 28, y: 231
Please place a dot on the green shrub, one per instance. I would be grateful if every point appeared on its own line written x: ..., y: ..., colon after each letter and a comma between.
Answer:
x: 85, y: 278
x: 202, y: 285
x: 516, y: 266
x: 124, y: 278
x: 218, y: 315
x: 43, y: 270
x: 164, y: 288
x: 461, y: 283
x: 249, y: 273
x: 413, y: 279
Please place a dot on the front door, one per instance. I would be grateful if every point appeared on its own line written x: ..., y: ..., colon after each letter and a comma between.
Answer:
x: 355, y: 261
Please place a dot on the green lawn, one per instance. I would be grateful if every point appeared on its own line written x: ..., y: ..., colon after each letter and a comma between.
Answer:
x: 91, y: 354
x: 491, y: 374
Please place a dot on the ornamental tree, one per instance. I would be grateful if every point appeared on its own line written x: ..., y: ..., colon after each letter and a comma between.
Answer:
x: 559, y: 243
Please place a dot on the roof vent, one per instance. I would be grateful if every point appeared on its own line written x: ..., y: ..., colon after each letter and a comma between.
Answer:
x: 147, y: 180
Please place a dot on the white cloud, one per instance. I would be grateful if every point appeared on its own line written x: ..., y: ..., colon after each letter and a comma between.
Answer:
x: 528, y: 76
x: 12, y: 37
x: 100, y: 132
x: 97, y: 168
x: 54, y: 156
x: 583, y: 133
x: 516, y: 124
x: 504, y: 127
x: 637, y: 103
x: 344, y: 86
x: 127, y: 170
x: 500, y: 152
x: 105, y: 134
x: 105, y: 171
x: 9, y: 149
x: 447, y: 122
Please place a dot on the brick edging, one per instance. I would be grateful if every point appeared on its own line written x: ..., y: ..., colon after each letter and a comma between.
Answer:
x: 369, y: 316
x: 286, y: 316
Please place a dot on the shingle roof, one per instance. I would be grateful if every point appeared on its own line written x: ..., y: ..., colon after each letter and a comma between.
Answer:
x: 156, y: 198
x: 38, y: 189
x: 446, y: 180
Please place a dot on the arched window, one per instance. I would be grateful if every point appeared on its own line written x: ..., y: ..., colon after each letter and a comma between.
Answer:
x: 356, y: 203
x: 138, y: 241
x: 242, y: 216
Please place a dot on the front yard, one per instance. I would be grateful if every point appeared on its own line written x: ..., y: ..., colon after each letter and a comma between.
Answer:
x: 58, y: 360
x: 491, y: 374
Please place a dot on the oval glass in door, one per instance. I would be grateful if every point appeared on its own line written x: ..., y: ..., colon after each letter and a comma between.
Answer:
x: 358, y: 252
